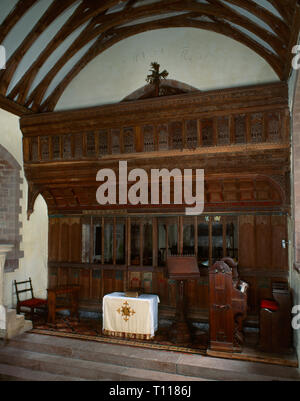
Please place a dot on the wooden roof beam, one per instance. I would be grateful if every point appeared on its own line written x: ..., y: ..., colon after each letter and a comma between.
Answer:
x: 87, y: 35
x: 90, y: 33
x: 56, y: 8
x: 13, y: 107
x: 281, y: 28
x: 219, y: 10
x: 14, y: 17
x: 80, y: 16
x: 284, y: 9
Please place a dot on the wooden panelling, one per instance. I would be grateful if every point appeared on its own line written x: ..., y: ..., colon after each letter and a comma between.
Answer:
x: 262, y: 260
x: 263, y: 241
x: 65, y: 239
x: 175, y: 135
x: 279, y: 234
x: 260, y: 243
x: 247, y: 241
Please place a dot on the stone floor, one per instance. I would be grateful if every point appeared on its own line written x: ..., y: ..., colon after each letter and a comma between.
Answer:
x: 37, y: 357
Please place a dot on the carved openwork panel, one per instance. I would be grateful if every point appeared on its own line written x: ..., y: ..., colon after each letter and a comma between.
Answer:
x: 90, y: 144
x: 274, y: 126
x: 191, y: 134
x: 78, y: 146
x: 44, y: 143
x: 103, y: 142
x: 163, y: 142
x: 223, y: 130
x: 176, y: 135
x: 149, y: 140
x: 115, y: 141
x: 67, y: 148
x: 207, y: 132
x: 129, y: 140
x: 240, y: 128
x: 257, y: 127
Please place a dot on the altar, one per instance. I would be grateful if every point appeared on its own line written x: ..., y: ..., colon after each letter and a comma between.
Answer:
x: 128, y: 317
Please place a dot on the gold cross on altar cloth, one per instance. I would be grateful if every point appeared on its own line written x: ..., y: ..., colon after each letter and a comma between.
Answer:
x: 126, y: 311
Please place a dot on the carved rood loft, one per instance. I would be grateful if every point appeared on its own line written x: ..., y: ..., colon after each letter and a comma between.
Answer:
x: 247, y: 128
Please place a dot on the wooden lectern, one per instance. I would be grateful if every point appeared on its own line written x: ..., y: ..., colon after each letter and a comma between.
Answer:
x: 181, y: 269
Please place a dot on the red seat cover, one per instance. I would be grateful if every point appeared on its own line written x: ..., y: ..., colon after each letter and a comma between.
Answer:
x: 33, y: 302
x: 268, y: 304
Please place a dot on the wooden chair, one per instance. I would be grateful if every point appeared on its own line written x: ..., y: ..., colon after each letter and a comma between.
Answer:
x: 32, y: 303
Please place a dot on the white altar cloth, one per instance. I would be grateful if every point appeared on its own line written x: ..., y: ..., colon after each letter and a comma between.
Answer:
x: 130, y: 317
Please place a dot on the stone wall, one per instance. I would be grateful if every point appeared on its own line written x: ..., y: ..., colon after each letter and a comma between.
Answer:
x: 10, y: 196
x: 33, y: 234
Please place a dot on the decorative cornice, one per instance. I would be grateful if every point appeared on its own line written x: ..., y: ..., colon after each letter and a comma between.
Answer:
x: 273, y: 95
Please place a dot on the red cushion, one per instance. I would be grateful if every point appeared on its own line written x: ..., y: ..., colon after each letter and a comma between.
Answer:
x: 271, y: 305
x: 33, y: 302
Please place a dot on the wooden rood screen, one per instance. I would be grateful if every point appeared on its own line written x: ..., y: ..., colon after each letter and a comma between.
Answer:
x: 240, y: 137
x: 105, y: 254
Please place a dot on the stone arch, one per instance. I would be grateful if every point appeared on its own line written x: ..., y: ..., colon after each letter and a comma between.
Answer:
x: 10, y: 209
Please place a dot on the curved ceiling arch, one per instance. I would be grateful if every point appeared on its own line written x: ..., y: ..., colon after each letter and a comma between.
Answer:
x: 51, y: 101
x: 270, y: 29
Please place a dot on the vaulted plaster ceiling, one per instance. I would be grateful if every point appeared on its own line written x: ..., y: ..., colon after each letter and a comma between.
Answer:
x: 49, y: 42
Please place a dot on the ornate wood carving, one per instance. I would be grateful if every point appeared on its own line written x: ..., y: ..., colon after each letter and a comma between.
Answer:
x: 103, y: 142
x: 235, y: 135
x: 176, y: 135
x: 90, y: 144
x: 163, y: 137
x: 257, y: 127
x: 115, y: 141
x: 149, y: 138
x: 129, y: 140
x: 207, y: 132
x: 240, y: 128
x: 191, y: 134
x: 223, y: 130
x: 67, y: 150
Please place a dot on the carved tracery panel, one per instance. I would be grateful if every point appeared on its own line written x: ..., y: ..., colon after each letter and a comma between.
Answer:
x: 103, y: 142
x: 148, y: 136
x: 176, y: 131
x: 90, y: 144
x: 207, y: 131
x: 257, y: 127
x: 223, y: 130
x: 44, y: 144
x: 274, y: 127
x: 129, y: 140
x: 191, y: 134
x: 163, y: 142
x: 240, y: 128
x: 67, y: 149
x: 115, y: 141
